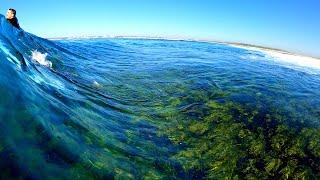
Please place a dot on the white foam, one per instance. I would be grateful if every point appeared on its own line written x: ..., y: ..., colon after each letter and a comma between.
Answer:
x: 295, y: 59
x: 41, y: 58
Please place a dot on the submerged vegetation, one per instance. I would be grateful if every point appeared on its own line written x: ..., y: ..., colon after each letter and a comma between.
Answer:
x: 224, y: 139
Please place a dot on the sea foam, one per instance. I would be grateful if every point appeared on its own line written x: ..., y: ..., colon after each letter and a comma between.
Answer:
x: 286, y: 57
x: 41, y: 58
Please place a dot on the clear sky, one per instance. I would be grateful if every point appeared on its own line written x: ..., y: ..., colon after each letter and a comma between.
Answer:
x: 292, y: 25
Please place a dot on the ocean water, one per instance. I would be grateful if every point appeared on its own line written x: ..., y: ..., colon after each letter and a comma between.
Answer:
x: 153, y: 109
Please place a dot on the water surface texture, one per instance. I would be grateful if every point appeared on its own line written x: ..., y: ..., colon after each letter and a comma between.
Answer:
x: 153, y: 109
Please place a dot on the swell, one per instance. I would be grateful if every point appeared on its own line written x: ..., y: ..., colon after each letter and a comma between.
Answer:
x: 51, y: 119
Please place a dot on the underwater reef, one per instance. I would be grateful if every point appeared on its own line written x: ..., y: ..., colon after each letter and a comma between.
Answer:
x: 223, y: 139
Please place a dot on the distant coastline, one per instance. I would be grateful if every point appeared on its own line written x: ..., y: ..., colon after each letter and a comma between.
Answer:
x: 234, y: 44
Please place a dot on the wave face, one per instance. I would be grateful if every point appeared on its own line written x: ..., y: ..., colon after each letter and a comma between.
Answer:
x: 100, y: 108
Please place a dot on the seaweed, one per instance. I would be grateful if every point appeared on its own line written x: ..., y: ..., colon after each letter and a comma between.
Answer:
x: 234, y: 141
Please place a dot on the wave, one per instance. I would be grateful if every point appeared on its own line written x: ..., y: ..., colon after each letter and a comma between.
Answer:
x: 295, y: 60
x: 94, y: 109
x: 55, y: 117
x: 38, y: 119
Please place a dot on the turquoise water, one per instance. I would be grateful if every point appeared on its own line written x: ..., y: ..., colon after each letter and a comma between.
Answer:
x: 109, y: 108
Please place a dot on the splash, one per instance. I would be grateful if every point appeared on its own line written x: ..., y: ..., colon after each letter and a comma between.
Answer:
x: 41, y: 58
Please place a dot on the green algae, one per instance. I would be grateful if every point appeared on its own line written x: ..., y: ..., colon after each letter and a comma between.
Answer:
x: 234, y: 141
x: 216, y: 136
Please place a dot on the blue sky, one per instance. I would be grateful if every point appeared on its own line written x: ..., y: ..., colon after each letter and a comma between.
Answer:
x: 292, y: 25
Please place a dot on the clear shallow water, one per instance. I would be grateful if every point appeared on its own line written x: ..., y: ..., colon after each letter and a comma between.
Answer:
x: 136, y: 108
